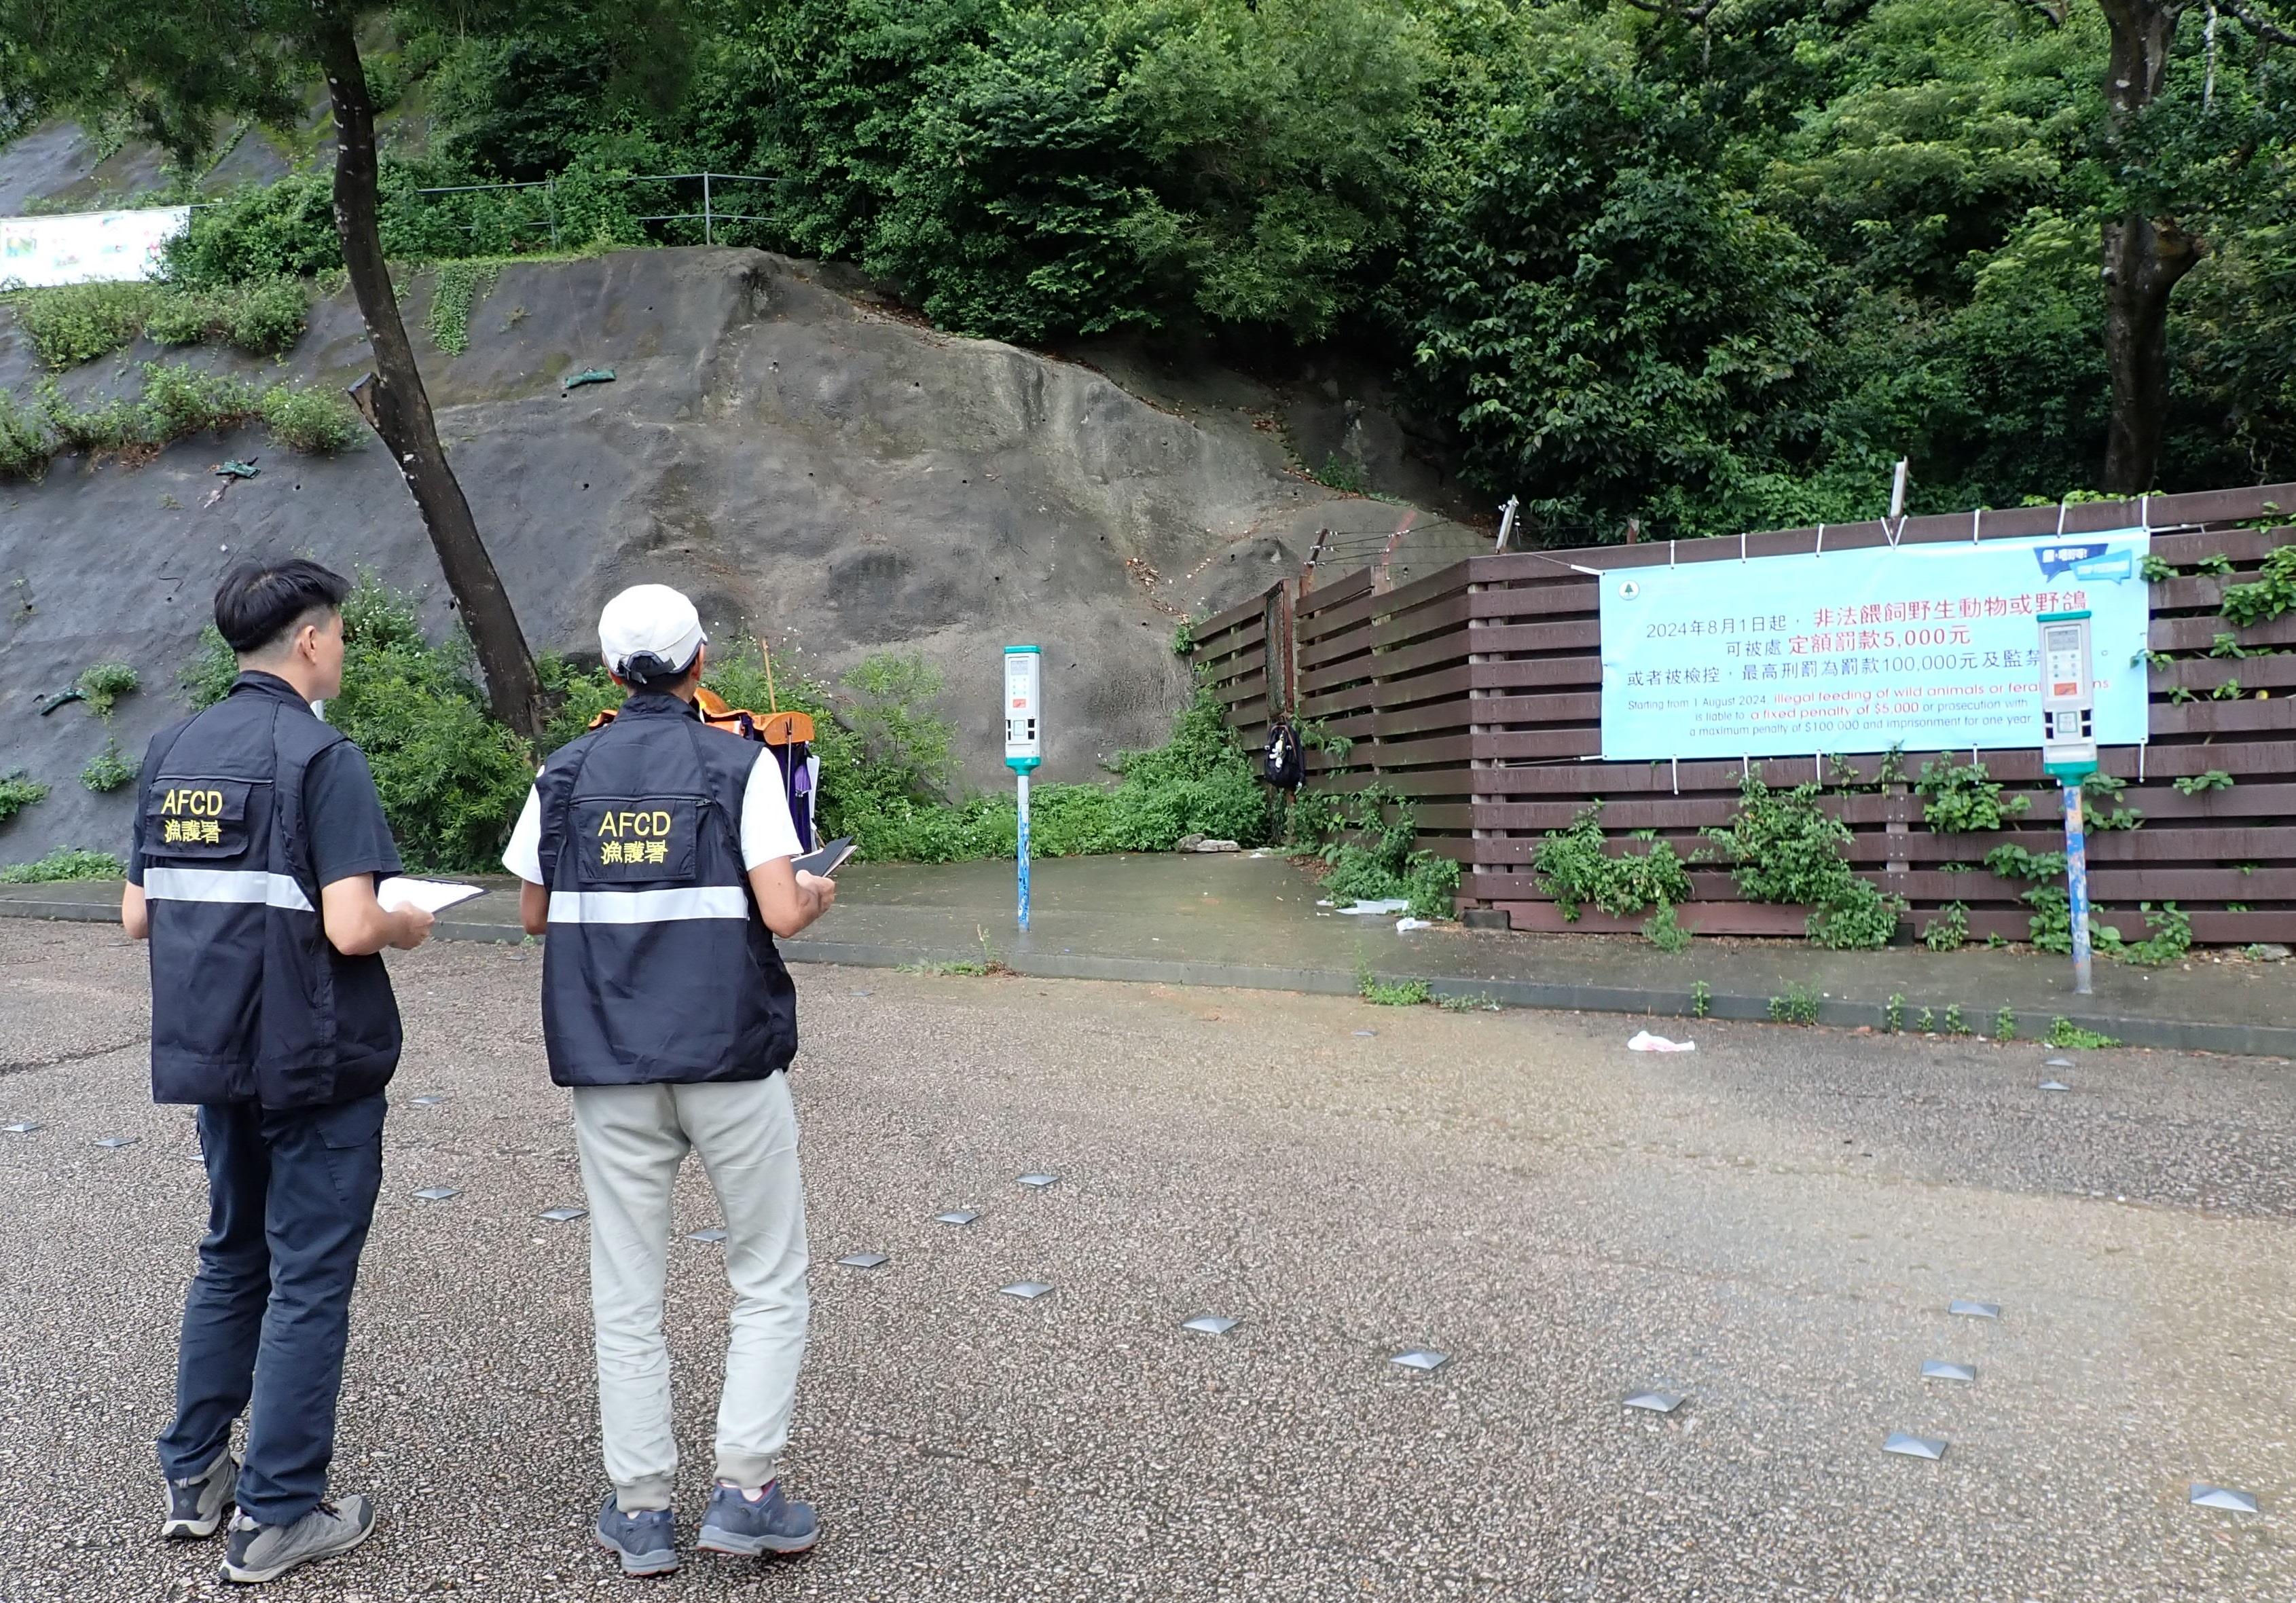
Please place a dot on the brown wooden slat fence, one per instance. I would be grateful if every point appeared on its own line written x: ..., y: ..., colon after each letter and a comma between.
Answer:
x: 1475, y: 692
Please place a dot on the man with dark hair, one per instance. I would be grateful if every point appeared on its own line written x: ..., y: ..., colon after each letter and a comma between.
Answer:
x: 659, y: 854
x: 258, y: 842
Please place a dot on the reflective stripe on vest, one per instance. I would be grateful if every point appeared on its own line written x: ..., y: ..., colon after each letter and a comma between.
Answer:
x: 226, y: 885
x: 648, y: 906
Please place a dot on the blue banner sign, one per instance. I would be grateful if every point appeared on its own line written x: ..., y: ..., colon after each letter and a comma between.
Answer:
x: 1929, y: 647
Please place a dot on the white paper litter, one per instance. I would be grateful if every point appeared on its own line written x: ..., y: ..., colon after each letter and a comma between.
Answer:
x: 1404, y: 926
x: 1645, y: 1042
x: 1390, y: 904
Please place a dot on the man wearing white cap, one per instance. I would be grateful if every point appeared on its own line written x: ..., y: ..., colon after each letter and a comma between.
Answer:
x: 657, y: 853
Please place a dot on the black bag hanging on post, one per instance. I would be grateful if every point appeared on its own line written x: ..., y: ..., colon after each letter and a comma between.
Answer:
x: 1281, y: 763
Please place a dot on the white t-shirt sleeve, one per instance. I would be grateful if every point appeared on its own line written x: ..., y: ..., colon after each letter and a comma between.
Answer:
x: 523, y: 856
x: 768, y: 831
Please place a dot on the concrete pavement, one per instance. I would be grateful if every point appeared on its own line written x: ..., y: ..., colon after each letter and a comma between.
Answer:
x: 1773, y: 1225
x: 1252, y: 920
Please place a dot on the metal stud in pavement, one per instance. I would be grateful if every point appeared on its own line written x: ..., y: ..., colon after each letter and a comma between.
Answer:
x: 1366, y: 1032
x: 1657, y: 1402
x: 114, y: 1142
x: 438, y: 1193
x: 955, y: 1216
x: 708, y: 1237
x: 864, y: 1260
x: 2055, y: 1085
x: 1421, y: 1358
x: 21, y: 1127
x: 427, y: 1101
x: 1039, y: 1180
x: 564, y: 1215
x: 1028, y: 1291
x: 2058, y: 1063
x: 2205, y: 1496
x: 1940, y: 1369
x: 1210, y: 1324
x: 1909, y: 1445
x: 1975, y: 1309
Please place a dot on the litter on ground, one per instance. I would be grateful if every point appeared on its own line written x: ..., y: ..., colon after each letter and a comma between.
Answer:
x: 1645, y: 1042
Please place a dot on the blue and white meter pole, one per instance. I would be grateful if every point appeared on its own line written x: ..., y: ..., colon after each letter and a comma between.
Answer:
x: 1024, y: 742
x: 2068, y: 754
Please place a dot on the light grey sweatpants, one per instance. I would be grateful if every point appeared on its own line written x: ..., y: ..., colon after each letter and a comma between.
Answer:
x: 633, y: 1138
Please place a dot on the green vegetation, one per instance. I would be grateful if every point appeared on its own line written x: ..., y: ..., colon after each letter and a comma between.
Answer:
x: 1701, y: 999
x: 176, y: 401
x: 1370, y: 852
x: 2064, y: 1033
x: 461, y: 285
x: 2200, y: 784
x: 1964, y: 797
x: 2169, y: 938
x: 2272, y: 593
x: 1927, y: 1024
x: 107, y: 770
x: 1954, y: 1023
x: 1665, y: 930
x: 1783, y: 847
x: 1575, y: 867
x: 1893, y: 1015
x: 1949, y: 930
x: 1799, y: 1005
x: 65, y: 863
x: 2005, y: 1024
x: 1712, y: 268
x: 103, y: 683
x: 1390, y: 993
x: 74, y: 323
x: 17, y: 792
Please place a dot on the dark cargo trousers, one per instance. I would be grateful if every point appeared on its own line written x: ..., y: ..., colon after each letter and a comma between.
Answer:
x: 290, y: 1197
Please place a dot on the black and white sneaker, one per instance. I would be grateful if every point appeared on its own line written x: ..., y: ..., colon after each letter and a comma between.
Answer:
x: 266, y: 1552
x: 196, y: 1508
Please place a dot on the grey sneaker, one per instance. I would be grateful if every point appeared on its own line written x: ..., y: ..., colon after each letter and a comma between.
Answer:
x: 196, y: 1508
x: 771, y: 1525
x: 266, y: 1552
x: 645, y: 1542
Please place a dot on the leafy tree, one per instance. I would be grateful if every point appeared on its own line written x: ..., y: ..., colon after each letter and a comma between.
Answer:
x: 1608, y: 325
x: 180, y: 71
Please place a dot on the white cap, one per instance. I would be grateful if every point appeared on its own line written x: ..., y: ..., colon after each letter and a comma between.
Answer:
x: 649, y: 618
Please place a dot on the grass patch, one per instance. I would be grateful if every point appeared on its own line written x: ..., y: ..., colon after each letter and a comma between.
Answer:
x: 2063, y: 1032
x: 461, y: 285
x: 65, y: 863
x: 18, y: 791
x: 74, y: 323
x: 1392, y: 993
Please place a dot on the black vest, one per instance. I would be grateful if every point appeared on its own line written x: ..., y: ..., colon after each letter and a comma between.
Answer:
x: 250, y: 1003
x: 658, y: 969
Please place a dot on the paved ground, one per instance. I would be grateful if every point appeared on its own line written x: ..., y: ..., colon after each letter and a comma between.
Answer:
x: 1252, y: 920
x: 1773, y: 1225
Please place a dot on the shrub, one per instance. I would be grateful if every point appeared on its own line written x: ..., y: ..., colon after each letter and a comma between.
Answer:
x: 107, y: 426
x: 309, y: 420
x: 1574, y: 867
x: 1782, y: 847
x: 107, y: 770
x: 17, y: 792
x: 73, y: 323
x: 103, y: 683
x: 1964, y: 797
x: 451, y: 779
x: 179, y: 400
x: 24, y: 448
x: 263, y: 318
x: 65, y: 863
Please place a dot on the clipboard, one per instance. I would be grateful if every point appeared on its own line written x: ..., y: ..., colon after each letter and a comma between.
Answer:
x: 825, y: 861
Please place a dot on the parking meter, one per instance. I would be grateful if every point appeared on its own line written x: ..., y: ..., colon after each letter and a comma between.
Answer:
x: 2068, y: 752
x: 2068, y: 697
x: 1024, y: 740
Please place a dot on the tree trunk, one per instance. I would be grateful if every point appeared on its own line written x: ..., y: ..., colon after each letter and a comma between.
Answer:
x: 2143, y: 256
x: 402, y: 409
x: 2144, y: 259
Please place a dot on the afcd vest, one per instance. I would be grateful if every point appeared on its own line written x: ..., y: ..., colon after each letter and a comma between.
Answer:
x: 245, y: 1004
x: 658, y: 969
